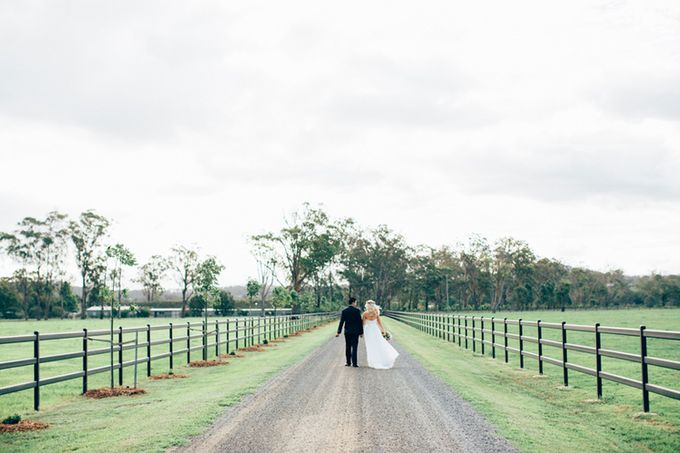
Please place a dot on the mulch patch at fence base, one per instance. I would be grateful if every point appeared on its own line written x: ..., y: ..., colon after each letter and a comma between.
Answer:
x: 23, y: 425
x: 168, y: 376
x: 277, y: 341
x: 107, y: 392
x: 252, y: 349
x: 231, y: 356
x: 207, y: 363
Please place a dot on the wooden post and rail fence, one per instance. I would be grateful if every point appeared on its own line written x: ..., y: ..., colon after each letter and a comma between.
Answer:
x: 481, y: 333
x: 220, y: 337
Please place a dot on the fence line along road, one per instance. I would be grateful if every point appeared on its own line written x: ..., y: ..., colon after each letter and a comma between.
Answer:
x: 465, y: 329
x: 239, y: 332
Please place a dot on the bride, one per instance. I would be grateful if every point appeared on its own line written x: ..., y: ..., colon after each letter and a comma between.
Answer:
x: 379, y: 353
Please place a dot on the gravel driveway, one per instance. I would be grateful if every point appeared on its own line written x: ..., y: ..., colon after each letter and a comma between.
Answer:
x: 319, y: 405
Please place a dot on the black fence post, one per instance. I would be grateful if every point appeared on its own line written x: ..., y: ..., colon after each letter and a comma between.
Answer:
x: 565, y: 370
x: 148, y: 350
x: 36, y: 371
x: 259, y: 330
x: 598, y: 360
x: 474, y: 336
x: 442, y: 335
x: 228, y: 328
x: 84, y: 361
x: 459, y: 338
x: 539, y: 337
x: 448, y: 328
x: 204, y: 339
x: 430, y: 322
x: 188, y: 342
x: 120, y: 355
x: 481, y: 323
x: 521, y: 343
x: 236, y: 331
x: 505, y: 338
x: 466, y: 332
x: 170, y: 346
x: 643, y: 363
x: 493, y: 337
x: 217, y: 338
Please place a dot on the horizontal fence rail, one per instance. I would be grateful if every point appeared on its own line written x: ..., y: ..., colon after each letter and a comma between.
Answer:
x: 481, y: 333
x: 218, y: 337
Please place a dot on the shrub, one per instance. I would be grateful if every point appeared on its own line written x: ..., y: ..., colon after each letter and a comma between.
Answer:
x: 225, y: 304
x: 12, y: 420
x: 143, y: 312
x: 196, y: 305
x: 265, y: 341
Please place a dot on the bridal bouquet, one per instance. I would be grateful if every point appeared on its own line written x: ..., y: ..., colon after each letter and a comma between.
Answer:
x: 387, y: 336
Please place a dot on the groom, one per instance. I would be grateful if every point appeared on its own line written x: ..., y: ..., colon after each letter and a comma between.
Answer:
x: 354, y: 328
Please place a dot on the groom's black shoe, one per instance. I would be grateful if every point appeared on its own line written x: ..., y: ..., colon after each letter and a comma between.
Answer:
x: 355, y: 366
x: 347, y: 364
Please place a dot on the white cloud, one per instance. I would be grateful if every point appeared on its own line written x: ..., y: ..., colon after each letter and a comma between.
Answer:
x: 205, y: 122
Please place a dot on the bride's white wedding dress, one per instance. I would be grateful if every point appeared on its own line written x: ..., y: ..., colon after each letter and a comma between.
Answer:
x: 379, y: 352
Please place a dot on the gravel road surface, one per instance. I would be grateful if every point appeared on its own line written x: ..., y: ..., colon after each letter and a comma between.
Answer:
x: 319, y: 405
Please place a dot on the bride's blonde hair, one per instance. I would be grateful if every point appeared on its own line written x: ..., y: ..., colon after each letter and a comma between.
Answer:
x: 372, y: 308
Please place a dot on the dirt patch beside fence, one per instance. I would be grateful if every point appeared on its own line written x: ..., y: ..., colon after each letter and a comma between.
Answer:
x: 23, y: 425
x: 107, y: 392
x: 168, y: 376
x: 207, y: 363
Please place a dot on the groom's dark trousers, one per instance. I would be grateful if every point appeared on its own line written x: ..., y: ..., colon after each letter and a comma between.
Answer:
x: 351, y: 346
x: 354, y: 327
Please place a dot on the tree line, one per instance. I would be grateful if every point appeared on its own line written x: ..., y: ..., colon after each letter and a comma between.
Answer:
x: 318, y: 262
x: 42, y: 246
x: 312, y: 263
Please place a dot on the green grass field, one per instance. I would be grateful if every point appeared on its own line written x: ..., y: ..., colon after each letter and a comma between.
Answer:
x: 539, y: 414
x: 171, y: 412
x: 22, y: 402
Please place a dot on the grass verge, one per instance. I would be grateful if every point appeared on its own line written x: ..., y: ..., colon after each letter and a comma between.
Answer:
x: 171, y: 412
x: 536, y: 413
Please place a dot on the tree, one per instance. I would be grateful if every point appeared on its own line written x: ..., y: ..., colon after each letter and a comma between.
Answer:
x: 476, y: 260
x: 86, y: 235
x: 17, y: 247
x: 120, y: 257
x: 99, y: 292
x: 225, y: 303
x: 562, y: 295
x: 40, y: 245
x: 67, y: 300
x: 205, y: 281
x: 184, y: 263
x: 375, y: 265
x: 281, y: 298
x: 252, y: 288
x: 266, y: 271
x: 151, y: 276
x: 197, y: 305
x: 9, y: 299
x: 22, y: 282
x: 298, y: 247
x: 511, y: 267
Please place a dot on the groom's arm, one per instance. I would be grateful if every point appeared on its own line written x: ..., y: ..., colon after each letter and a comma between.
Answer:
x: 342, y: 322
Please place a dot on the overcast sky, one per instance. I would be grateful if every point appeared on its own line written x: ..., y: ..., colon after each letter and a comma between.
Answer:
x: 206, y: 121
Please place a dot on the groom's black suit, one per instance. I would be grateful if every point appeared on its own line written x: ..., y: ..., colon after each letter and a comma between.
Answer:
x: 354, y: 326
